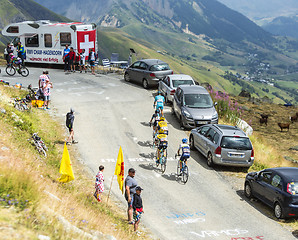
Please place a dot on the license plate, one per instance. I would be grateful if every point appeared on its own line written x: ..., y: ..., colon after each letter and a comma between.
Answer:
x: 202, y: 122
x: 236, y: 155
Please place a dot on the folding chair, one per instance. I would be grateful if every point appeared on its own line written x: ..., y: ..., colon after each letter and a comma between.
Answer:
x: 106, y: 64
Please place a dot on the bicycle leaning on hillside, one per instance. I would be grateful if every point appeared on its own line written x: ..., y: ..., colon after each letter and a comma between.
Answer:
x: 184, y: 169
x: 39, y: 144
x: 21, y: 104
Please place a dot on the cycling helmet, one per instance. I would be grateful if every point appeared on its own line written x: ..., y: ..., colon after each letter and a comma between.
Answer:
x: 184, y: 140
x: 72, y: 110
x: 162, y: 118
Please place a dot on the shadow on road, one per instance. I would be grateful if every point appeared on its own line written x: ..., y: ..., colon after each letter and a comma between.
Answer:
x: 146, y: 124
x: 170, y: 177
x: 59, y: 142
x: 147, y: 166
x: 145, y: 143
x: 148, y: 156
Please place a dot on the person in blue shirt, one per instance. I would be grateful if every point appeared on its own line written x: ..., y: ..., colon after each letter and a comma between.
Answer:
x: 66, y: 58
x: 21, y: 52
x: 159, y: 102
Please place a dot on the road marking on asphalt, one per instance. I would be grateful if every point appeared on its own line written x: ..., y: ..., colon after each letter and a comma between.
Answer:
x: 107, y: 98
x: 229, y: 232
x: 137, y: 159
x: 124, y: 118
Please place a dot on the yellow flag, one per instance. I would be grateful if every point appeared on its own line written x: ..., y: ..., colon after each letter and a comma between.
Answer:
x: 65, y: 167
x: 119, y: 170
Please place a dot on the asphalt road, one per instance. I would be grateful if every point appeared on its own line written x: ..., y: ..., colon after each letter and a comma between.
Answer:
x: 111, y: 113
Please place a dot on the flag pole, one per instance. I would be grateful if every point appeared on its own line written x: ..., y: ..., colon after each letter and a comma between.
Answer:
x: 110, y: 189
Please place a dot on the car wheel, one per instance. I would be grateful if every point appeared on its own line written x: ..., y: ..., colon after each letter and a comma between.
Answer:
x: 145, y: 84
x: 181, y: 122
x: 210, y: 160
x: 191, y: 142
x: 278, y: 211
x: 248, y: 190
x: 126, y: 77
x: 172, y: 110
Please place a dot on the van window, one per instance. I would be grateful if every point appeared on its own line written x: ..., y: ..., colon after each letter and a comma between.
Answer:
x: 48, y: 40
x: 65, y: 38
x: 13, y: 29
x: 32, y: 41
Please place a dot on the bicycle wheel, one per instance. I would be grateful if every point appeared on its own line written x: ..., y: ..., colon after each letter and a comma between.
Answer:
x: 164, y: 161
x: 24, y: 71
x: 178, y: 168
x: 185, y: 174
x: 156, y: 157
x: 10, y: 70
x: 17, y: 106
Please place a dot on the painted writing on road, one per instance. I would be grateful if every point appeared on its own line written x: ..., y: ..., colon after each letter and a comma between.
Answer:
x: 185, y: 215
x: 190, y: 220
x: 135, y: 159
x: 230, y: 232
x: 248, y: 238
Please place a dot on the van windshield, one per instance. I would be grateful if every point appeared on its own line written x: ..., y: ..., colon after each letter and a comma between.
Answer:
x: 239, y: 143
x: 198, y: 100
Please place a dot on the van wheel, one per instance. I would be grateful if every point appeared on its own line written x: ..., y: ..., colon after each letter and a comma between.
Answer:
x: 191, y: 142
x: 278, y: 211
x: 210, y: 160
x: 145, y: 84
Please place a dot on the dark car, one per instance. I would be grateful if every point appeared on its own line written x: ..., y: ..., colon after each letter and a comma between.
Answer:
x: 148, y: 72
x: 276, y: 187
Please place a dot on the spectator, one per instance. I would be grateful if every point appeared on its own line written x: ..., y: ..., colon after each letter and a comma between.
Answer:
x: 41, y: 85
x: 72, y: 59
x: 99, y: 186
x: 46, y: 91
x: 66, y: 58
x: 137, y: 207
x: 130, y: 190
x: 69, y: 125
x: 7, y: 51
x: 21, y: 52
x: 83, y: 61
x: 92, y: 59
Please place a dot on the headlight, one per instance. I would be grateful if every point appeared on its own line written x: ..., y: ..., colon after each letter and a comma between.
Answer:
x: 215, y: 115
x: 186, y: 113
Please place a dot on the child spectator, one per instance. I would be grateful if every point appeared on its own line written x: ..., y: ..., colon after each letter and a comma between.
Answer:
x: 72, y: 59
x: 137, y: 207
x: 99, y: 186
x: 46, y: 91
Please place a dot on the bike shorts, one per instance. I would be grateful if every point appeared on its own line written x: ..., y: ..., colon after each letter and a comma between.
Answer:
x: 163, y: 145
x: 184, y: 158
x: 159, y: 107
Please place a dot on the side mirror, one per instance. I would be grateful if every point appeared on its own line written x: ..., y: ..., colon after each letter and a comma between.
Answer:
x: 215, y: 104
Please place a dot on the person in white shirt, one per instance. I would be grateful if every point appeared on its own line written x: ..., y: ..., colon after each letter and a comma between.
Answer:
x: 83, y: 61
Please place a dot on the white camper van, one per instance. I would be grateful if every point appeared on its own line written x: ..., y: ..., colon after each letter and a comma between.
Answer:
x: 44, y: 41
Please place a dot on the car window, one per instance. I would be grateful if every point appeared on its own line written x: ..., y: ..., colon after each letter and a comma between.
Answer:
x: 198, y: 101
x: 159, y: 67
x: 143, y: 66
x: 277, y: 182
x: 177, y: 83
x: 239, y: 143
x: 265, y: 176
x: 216, y: 138
x: 203, y: 130
x: 210, y: 134
x: 136, y: 65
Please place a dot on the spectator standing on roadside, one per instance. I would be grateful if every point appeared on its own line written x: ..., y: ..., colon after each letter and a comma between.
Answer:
x: 92, y: 59
x: 41, y: 84
x: 46, y: 91
x: 99, y: 186
x: 72, y: 59
x: 130, y: 190
x: 7, y: 51
x: 69, y: 125
x: 137, y: 206
x: 66, y: 58
x: 21, y: 52
x: 83, y: 61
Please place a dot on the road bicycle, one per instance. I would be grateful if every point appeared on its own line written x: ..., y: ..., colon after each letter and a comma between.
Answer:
x: 39, y: 144
x: 12, y: 68
x: 162, y: 161
x: 21, y: 104
x: 182, y: 171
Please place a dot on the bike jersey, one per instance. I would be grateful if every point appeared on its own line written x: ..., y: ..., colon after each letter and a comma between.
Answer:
x: 162, y: 127
x: 162, y: 137
x: 159, y: 100
x: 185, y: 150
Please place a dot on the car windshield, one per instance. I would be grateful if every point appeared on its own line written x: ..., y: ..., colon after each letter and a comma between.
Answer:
x: 239, y: 143
x: 177, y: 83
x: 198, y: 100
x: 159, y: 67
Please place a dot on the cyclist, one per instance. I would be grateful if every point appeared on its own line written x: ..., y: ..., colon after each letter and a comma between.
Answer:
x: 162, y: 126
x: 15, y: 61
x: 162, y: 143
x: 159, y: 102
x: 184, y: 147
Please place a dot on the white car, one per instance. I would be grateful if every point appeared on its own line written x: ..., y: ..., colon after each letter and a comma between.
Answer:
x: 168, y: 85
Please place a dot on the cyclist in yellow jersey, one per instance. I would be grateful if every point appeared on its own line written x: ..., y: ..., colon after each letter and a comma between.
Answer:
x: 162, y: 126
x: 162, y: 143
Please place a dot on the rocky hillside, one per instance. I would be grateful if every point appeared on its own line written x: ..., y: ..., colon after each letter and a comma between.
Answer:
x: 283, y: 26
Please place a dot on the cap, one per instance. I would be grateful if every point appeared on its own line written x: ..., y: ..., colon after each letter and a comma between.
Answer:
x: 132, y: 170
x: 139, y: 188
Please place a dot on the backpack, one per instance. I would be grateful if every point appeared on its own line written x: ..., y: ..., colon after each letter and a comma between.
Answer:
x: 68, y: 119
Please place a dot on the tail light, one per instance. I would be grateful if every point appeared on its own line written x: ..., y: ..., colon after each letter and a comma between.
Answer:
x: 152, y: 75
x: 172, y: 92
x: 218, y: 151
x: 172, y: 72
x: 291, y: 188
x: 252, y: 153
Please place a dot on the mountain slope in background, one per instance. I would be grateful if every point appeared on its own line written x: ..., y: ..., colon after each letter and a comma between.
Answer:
x: 283, y: 26
x: 22, y: 10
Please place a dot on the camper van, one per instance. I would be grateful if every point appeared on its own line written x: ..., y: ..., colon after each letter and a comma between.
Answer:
x: 44, y: 40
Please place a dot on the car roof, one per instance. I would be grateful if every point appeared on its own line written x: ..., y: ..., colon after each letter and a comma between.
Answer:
x: 287, y: 173
x: 180, y: 77
x: 152, y: 61
x: 188, y: 89
x: 229, y: 130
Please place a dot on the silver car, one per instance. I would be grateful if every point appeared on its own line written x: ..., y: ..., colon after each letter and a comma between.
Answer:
x: 147, y: 72
x: 168, y: 85
x: 193, y: 106
x: 223, y: 145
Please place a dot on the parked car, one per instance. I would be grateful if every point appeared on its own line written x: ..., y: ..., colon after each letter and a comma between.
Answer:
x: 193, y: 106
x: 222, y: 145
x: 276, y: 187
x: 147, y: 72
x: 168, y: 85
